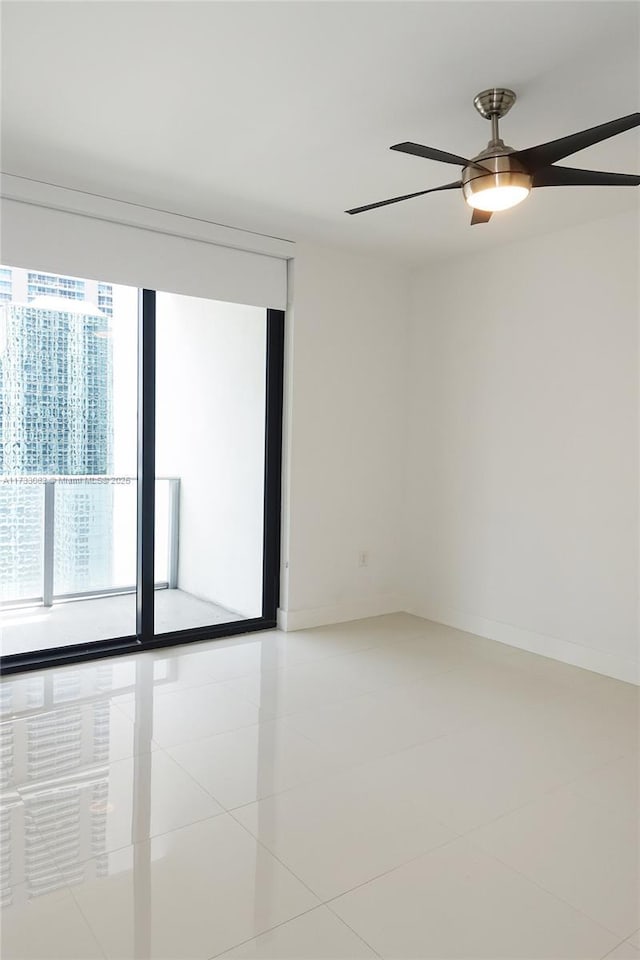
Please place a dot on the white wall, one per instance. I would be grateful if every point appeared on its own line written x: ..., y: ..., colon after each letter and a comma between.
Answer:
x: 210, y: 393
x: 344, y: 446
x: 522, y: 505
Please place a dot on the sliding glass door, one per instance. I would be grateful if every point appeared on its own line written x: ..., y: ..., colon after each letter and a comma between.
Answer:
x: 140, y: 441
x: 67, y: 460
x: 210, y: 451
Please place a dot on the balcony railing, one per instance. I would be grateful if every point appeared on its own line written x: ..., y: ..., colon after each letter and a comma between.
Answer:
x: 62, y: 539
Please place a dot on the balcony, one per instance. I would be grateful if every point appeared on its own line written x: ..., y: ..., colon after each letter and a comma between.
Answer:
x: 68, y: 562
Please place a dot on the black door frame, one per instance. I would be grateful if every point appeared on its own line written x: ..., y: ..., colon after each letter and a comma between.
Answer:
x: 145, y: 637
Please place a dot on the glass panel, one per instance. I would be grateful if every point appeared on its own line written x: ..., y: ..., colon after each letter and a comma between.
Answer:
x: 21, y: 521
x: 68, y: 401
x: 210, y: 420
x: 83, y: 541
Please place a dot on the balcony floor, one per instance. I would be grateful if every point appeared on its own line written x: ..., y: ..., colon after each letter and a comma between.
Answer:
x: 83, y: 621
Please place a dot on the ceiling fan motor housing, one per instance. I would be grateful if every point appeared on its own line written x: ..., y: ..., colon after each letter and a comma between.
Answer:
x: 492, y: 169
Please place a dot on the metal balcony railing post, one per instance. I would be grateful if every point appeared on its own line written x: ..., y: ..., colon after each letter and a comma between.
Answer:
x: 48, y: 546
x: 48, y: 541
x: 174, y: 529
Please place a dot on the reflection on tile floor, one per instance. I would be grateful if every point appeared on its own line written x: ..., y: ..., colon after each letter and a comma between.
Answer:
x: 389, y: 787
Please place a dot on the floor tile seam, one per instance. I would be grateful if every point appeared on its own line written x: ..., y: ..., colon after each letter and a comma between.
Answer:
x: 337, y: 774
x: 121, y: 710
x: 487, y: 723
x: 542, y: 887
x: 188, y: 690
x: 383, y: 642
x: 547, y: 792
x: 483, y: 718
x: 287, y: 716
x: 392, y: 752
x: 343, y: 653
x: 136, y: 843
x: 320, y: 706
x: 543, y: 794
x: 331, y: 656
x: 299, y: 663
x: 293, y: 712
x: 394, y: 685
x: 47, y: 847
x: 282, y: 863
x: 243, y: 726
x: 352, y: 695
x: 385, y: 873
x: 105, y: 763
x: 94, y: 932
x: 251, y: 672
x: 283, y: 923
x: 544, y: 700
x: 537, y: 699
x: 160, y: 691
x: 381, y: 645
x: 211, y: 681
x: 68, y: 888
x: 354, y: 932
x: 466, y: 834
x: 327, y: 901
x: 625, y: 755
x: 296, y: 786
x: 340, y: 772
x: 315, y: 780
x: 65, y: 706
x: 210, y: 736
x: 349, y: 768
x: 193, y: 779
x: 263, y: 932
x: 585, y: 773
x: 227, y: 733
x: 212, y: 796
x: 621, y: 944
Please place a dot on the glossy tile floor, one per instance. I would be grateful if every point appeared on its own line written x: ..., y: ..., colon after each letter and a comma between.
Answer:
x: 81, y: 621
x: 389, y: 787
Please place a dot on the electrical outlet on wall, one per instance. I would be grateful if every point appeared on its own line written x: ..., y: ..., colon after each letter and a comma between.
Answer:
x: 363, y: 558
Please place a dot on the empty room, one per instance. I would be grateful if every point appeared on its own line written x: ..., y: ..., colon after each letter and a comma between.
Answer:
x: 320, y: 479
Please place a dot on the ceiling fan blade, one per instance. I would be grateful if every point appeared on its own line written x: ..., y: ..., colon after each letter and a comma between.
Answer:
x: 570, y: 176
x: 430, y: 153
x: 547, y: 153
x: 407, y: 196
x: 480, y: 216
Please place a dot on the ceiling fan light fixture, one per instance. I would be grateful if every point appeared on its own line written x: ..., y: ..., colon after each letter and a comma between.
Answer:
x: 495, y: 180
x: 485, y: 194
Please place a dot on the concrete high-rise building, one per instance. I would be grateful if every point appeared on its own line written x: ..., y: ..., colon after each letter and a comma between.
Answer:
x: 55, y: 421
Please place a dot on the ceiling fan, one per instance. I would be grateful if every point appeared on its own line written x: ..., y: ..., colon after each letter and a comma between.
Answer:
x: 500, y: 177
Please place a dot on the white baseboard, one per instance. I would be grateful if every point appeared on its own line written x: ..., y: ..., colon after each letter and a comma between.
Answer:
x: 354, y: 610
x: 576, y: 654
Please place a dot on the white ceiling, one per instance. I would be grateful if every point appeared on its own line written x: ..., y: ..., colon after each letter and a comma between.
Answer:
x: 277, y: 116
